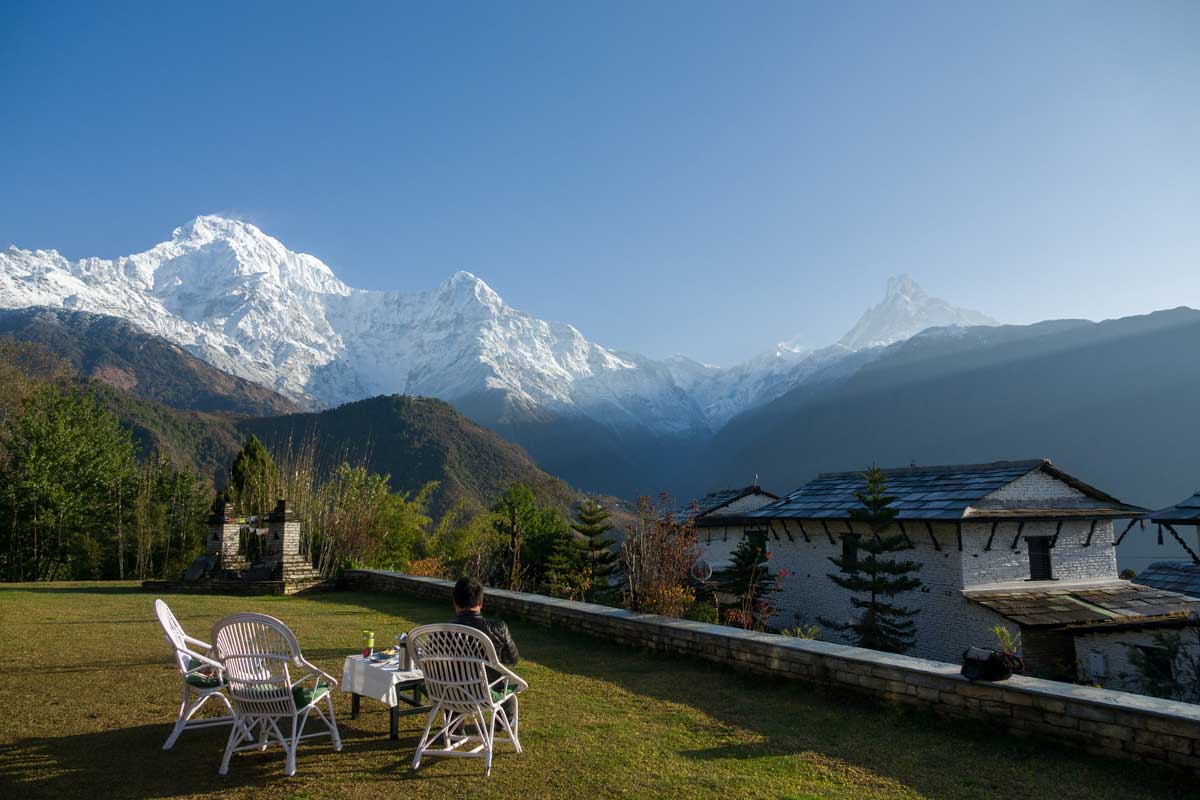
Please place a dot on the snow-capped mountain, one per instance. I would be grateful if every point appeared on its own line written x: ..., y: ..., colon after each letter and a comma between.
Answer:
x: 907, y: 310
x: 242, y: 301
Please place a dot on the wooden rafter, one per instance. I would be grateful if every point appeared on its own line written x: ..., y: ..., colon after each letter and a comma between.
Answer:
x: 1128, y: 528
x: 788, y: 531
x: 1057, y: 531
x: 903, y: 532
x: 932, y: 538
x: 958, y: 534
x: 992, y: 535
x: 827, y: 533
x: 1091, y: 531
x: 1017, y: 539
x: 1182, y: 543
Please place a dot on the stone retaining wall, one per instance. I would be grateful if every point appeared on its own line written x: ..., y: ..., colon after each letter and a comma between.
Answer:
x: 1110, y: 723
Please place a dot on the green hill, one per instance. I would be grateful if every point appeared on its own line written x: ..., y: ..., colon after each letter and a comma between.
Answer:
x: 415, y: 440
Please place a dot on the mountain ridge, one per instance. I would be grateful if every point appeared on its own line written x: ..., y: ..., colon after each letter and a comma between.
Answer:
x: 242, y: 301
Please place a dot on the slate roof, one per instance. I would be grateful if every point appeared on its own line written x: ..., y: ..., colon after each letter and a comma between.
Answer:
x: 1186, y: 512
x: 714, y: 501
x: 1116, y: 603
x: 948, y: 493
x: 1173, y: 576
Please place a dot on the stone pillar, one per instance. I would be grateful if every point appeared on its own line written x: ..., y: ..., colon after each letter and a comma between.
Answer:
x: 224, y: 534
x: 283, y: 531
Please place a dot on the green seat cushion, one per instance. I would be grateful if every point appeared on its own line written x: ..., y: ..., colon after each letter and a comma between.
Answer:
x: 303, y: 695
x: 201, y: 681
x: 498, y: 696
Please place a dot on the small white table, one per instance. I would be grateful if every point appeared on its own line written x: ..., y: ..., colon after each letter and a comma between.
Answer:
x: 386, y: 682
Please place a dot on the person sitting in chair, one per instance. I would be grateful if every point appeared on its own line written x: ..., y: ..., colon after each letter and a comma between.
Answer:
x: 468, y: 605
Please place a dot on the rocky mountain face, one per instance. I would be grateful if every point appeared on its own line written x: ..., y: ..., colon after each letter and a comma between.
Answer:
x: 116, y: 352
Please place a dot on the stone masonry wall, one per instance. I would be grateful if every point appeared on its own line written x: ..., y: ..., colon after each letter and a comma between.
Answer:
x: 947, y: 622
x: 1109, y: 723
x: 1069, y: 558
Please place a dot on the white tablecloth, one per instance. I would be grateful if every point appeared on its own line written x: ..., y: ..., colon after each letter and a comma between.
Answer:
x: 377, y: 680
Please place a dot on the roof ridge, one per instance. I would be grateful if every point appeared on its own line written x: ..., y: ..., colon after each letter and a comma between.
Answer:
x: 1030, y: 463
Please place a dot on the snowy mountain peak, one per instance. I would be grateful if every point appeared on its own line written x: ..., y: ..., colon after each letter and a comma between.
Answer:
x: 238, y: 298
x: 905, y: 311
x: 904, y: 286
x: 207, y: 227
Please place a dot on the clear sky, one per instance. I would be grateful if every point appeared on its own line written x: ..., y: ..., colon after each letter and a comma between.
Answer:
x: 669, y: 177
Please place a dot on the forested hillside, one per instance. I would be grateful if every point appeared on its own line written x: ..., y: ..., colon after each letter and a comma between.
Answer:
x: 416, y: 440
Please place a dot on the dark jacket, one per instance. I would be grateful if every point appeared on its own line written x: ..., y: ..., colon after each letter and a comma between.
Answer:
x: 496, y: 630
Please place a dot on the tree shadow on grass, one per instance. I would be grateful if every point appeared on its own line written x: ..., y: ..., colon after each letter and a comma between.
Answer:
x: 130, y: 762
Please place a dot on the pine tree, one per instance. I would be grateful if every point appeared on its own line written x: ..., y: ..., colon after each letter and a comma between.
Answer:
x: 749, y: 579
x: 883, y: 624
x: 602, y: 560
x: 747, y: 573
x: 568, y: 569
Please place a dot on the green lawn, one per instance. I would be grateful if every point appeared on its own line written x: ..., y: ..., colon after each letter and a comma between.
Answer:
x: 89, y: 692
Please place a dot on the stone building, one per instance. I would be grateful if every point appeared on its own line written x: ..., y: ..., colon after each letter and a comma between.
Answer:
x: 712, y: 514
x: 1014, y: 543
x: 1104, y: 652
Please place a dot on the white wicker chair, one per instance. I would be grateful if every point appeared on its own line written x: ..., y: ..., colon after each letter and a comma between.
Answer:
x: 455, y: 660
x: 201, y: 675
x: 256, y: 652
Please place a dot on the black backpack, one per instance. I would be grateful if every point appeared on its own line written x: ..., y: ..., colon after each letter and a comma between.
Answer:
x: 990, y: 665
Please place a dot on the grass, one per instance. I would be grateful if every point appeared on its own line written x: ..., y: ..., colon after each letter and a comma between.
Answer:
x: 89, y: 693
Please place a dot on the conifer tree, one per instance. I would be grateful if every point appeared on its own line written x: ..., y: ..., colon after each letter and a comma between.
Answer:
x: 747, y: 573
x: 602, y: 560
x: 883, y: 624
x: 254, y: 479
x: 568, y: 569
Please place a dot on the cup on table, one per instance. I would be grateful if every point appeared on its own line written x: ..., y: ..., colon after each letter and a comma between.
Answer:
x: 368, y: 643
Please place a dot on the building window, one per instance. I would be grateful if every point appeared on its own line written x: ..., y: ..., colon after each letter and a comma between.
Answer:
x: 849, y: 552
x: 1040, y: 568
x: 1156, y: 664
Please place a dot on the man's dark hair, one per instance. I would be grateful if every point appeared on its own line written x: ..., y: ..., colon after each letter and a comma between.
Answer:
x: 468, y: 593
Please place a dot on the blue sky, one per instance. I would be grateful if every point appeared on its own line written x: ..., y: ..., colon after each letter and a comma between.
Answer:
x: 705, y: 178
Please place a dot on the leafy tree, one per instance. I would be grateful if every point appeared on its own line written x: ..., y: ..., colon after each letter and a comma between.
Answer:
x: 513, y: 516
x: 405, y: 522
x: 602, y: 560
x: 67, y: 483
x: 530, y: 534
x: 883, y: 624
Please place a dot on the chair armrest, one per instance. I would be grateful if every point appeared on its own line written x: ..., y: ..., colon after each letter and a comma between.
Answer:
x: 198, y: 643
x: 513, y: 679
x: 315, y: 671
x: 205, y: 660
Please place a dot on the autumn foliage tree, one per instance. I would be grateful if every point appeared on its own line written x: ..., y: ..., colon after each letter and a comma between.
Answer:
x: 656, y: 557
